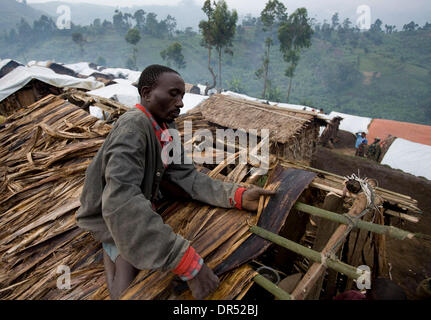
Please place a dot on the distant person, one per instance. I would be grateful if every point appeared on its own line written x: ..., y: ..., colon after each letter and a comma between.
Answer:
x: 374, y: 150
x: 381, y: 289
x: 361, y: 142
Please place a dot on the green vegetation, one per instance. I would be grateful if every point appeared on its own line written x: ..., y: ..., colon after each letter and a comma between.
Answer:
x: 380, y: 73
x: 174, y: 54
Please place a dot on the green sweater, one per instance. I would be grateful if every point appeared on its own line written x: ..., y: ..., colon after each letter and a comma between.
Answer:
x: 119, y: 186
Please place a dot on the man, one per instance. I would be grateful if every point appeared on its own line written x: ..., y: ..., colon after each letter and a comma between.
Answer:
x: 374, y: 150
x: 122, y: 184
x: 361, y: 142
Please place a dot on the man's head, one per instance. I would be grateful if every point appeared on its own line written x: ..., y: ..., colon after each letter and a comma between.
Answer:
x: 363, y: 135
x: 385, y: 289
x: 162, y: 90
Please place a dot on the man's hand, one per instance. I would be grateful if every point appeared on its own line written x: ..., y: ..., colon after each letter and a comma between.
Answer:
x: 250, y: 198
x: 204, y: 283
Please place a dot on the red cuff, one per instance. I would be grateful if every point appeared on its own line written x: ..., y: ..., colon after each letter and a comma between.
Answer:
x: 189, y: 265
x: 238, y: 197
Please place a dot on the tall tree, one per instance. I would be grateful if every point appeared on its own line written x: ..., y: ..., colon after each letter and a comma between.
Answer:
x: 173, y: 54
x: 223, y: 30
x: 273, y: 14
x: 139, y: 17
x: 133, y: 37
x: 294, y: 35
x: 205, y: 27
x: 171, y: 24
x: 335, y: 21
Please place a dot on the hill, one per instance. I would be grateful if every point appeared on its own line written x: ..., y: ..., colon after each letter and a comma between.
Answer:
x: 374, y: 74
x: 187, y: 12
x: 12, y: 12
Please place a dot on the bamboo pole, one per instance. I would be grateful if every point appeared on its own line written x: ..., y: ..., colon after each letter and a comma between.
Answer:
x: 311, y: 254
x: 376, y: 228
x: 271, y: 287
x: 398, y: 195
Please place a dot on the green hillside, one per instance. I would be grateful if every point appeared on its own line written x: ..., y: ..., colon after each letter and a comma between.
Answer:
x: 12, y: 12
x: 374, y: 74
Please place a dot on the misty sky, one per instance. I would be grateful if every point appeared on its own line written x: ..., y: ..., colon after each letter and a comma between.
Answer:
x: 392, y: 11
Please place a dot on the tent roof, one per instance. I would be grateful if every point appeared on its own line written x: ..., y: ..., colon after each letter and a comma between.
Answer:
x: 20, y: 76
x: 123, y: 93
x: 411, y: 157
x: 410, y: 131
x: 352, y: 123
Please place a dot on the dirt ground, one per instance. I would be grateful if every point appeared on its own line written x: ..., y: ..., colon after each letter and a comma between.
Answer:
x: 410, y: 259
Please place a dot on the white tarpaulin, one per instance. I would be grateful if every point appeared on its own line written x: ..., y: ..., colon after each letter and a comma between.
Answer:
x: 120, y: 72
x: 191, y: 100
x: 411, y: 157
x: 82, y: 68
x: 351, y: 123
x: 123, y: 93
x: 20, y: 76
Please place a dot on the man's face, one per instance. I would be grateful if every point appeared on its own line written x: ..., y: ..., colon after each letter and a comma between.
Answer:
x: 166, y: 98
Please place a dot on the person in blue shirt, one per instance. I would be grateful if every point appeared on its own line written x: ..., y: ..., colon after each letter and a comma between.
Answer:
x: 360, y: 139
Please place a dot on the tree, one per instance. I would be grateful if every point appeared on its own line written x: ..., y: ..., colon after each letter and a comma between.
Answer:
x: 207, y: 39
x: 376, y: 26
x: 152, y: 25
x: 222, y: 29
x: 294, y: 35
x: 273, y: 13
x: 171, y: 24
x: 410, y: 26
x: 79, y: 39
x: 173, y: 54
x: 24, y: 29
x: 121, y: 22
x: 44, y: 26
x: 389, y: 29
x: 335, y: 21
x: 139, y: 17
x: 133, y: 37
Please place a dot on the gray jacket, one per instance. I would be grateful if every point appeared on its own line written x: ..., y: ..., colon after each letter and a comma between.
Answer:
x: 120, y: 183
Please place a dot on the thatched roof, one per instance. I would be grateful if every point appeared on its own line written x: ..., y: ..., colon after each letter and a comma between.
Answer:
x: 237, y: 113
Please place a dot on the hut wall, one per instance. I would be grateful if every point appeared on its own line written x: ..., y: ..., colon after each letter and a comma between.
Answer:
x: 300, y: 147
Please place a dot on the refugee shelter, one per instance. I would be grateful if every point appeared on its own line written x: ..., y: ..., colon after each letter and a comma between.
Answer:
x: 25, y: 85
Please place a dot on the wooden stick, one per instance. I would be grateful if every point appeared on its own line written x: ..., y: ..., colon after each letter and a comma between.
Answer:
x: 335, y: 264
x: 373, y: 227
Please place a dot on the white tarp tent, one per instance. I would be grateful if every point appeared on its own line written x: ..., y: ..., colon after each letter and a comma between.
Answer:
x: 123, y: 93
x: 411, y: 157
x: 191, y: 100
x: 82, y: 68
x: 20, y: 76
x: 351, y: 123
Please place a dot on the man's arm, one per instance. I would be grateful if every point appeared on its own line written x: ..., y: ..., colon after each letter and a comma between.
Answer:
x: 205, y: 189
